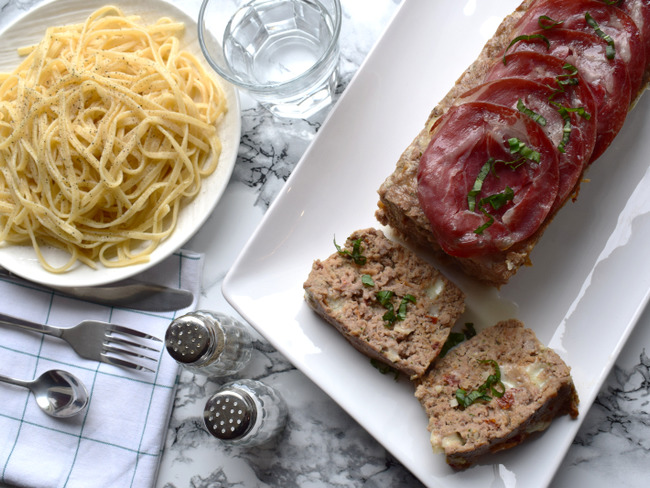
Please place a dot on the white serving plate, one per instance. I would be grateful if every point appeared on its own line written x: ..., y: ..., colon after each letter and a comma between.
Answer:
x: 583, y: 295
x: 28, y: 30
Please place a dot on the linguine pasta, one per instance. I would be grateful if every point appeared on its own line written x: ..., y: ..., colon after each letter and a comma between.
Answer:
x: 106, y: 130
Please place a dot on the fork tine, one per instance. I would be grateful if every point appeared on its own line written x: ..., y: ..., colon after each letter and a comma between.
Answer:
x: 126, y: 330
x: 119, y: 350
x: 126, y: 364
x: 125, y: 342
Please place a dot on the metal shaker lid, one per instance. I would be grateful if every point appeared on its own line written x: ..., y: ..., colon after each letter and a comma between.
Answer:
x: 229, y: 414
x: 187, y: 339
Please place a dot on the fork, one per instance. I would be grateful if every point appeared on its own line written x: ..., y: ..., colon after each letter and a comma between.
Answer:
x: 96, y: 340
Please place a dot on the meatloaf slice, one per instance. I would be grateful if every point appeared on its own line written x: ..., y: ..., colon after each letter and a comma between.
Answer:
x: 536, y: 387
x: 344, y: 288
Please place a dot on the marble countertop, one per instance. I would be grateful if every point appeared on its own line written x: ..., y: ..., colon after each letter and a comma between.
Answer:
x: 322, y: 445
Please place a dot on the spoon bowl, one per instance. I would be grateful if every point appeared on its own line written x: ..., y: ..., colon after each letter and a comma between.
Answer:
x: 57, y: 392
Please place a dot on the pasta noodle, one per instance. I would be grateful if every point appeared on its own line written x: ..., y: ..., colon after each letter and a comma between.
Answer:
x: 106, y: 130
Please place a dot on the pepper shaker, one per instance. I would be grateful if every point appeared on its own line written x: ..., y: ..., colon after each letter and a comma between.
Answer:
x: 209, y: 342
x: 245, y: 413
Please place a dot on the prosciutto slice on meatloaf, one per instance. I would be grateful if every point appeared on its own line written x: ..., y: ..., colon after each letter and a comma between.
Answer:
x: 471, y: 155
x: 543, y: 100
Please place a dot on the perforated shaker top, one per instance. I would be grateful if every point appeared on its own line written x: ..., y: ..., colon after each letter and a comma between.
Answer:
x: 187, y: 339
x: 230, y: 414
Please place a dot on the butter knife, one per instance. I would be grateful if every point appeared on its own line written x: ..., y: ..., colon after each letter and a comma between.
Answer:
x: 129, y: 293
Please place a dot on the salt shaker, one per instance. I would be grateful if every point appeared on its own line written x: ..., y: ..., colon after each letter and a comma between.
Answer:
x: 245, y: 413
x: 209, y: 342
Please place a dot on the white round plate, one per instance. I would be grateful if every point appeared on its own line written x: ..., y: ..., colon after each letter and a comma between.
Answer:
x: 28, y: 30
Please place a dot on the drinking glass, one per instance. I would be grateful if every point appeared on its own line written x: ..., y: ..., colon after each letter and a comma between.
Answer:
x: 283, y: 53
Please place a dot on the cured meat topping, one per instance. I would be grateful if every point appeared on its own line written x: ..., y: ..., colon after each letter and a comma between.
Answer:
x: 572, y: 70
x: 627, y: 43
x: 496, y: 158
x: 607, y: 78
x: 573, y: 133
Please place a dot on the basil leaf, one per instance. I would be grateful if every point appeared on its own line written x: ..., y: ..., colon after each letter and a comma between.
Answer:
x: 571, y: 69
x: 526, y: 38
x: 610, y: 51
x: 455, y: 338
x: 401, y: 312
x: 493, y: 385
x: 580, y: 111
x: 367, y: 280
x: 384, y: 368
x: 490, y: 221
x: 469, y: 330
x: 466, y: 399
x: 385, y: 297
x: 543, y: 19
x: 533, y: 115
x: 356, y: 254
x: 569, y: 79
x: 517, y: 146
x: 565, y: 114
x: 478, y: 184
x: 496, y: 201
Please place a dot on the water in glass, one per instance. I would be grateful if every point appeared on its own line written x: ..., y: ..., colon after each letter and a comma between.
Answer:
x: 269, y: 42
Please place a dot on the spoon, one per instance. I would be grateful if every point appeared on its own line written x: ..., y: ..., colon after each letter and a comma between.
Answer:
x: 57, y: 392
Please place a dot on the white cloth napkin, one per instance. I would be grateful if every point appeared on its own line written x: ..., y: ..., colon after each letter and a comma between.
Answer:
x: 118, y: 440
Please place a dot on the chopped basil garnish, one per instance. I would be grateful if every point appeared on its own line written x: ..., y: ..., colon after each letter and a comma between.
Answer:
x: 478, y: 184
x: 533, y: 115
x: 453, y: 340
x: 385, y: 298
x: 367, y: 280
x: 610, y: 51
x: 384, y: 368
x: 469, y: 330
x: 580, y: 111
x: 566, y: 131
x: 490, y: 221
x: 496, y: 201
x: 565, y: 80
x: 492, y: 386
x: 545, y: 22
x: 401, y: 313
x: 571, y: 69
x: 456, y: 338
x: 565, y: 114
x: 357, y: 251
x: 531, y: 37
x: 517, y: 146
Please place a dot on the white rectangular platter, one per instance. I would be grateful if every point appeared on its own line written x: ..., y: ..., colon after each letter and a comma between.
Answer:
x: 583, y: 295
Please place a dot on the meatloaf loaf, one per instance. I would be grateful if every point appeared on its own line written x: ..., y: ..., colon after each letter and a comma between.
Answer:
x: 387, y: 302
x: 399, y: 206
x: 473, y: 412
